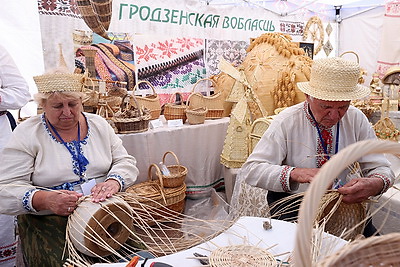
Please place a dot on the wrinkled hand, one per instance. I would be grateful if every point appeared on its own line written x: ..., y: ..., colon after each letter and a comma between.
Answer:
x: 359, y: 189
x: 303, y: 175
x: 61, y: 202
x: 105, y: 190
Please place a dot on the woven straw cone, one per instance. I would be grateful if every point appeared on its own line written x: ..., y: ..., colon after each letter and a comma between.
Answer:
x: 310, y: 204
x: 91, y: 18
x: 177, y: 171
x: 267, y: 55
x: 241, y: 256
x: 151, y: 102
x: 334, y: 79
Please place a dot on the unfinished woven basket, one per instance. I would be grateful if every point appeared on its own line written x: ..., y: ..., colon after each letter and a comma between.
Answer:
x: 241, y: 256
x: 374, y: 251
x: 177, y: 171
x: 175, y: 110
x: 214, y: 103
x: 196, y: 115
x: 151, y: 102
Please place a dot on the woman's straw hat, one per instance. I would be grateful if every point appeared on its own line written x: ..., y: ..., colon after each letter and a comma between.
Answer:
x: 334, y: 79
x: 59, y: 79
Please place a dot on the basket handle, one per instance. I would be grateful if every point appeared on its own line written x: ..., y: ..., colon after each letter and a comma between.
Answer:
x: 159, y: 175
x: 197, y: 94
x: 146, y: 82
x: 206, y: 79
x: 174, y: 96
x: 351, y: 52
x: 173, y: 154
x: 317, y: 188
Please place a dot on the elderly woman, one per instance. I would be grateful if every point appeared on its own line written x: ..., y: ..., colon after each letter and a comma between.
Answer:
x: 55, y: 158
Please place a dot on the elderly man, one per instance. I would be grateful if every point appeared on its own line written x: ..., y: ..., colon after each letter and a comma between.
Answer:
x: 303, y: 137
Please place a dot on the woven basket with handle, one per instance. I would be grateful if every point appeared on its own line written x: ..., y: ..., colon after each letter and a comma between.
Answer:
x: 156, y: 197
x: 214, y: 103
x: 175, y: 110
x: 196, y: 115
x: 374, y: 251
x: 177, y: 171
x: 151, y: 102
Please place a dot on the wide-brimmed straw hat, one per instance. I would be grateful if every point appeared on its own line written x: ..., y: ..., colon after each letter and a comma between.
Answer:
x: 390, y: 71
x: 334, y: 79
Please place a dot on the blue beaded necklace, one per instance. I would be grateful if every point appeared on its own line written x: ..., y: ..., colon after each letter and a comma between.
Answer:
x: 78, y: 157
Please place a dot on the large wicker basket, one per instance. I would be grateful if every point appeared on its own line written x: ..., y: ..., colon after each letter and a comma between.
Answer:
x: 175, y: 110
x: 177, y: 171
x: 131, y: 119
x: 374, y: 251
x: 151, y: 102
x: 214, y: 103
x: 155, y: 198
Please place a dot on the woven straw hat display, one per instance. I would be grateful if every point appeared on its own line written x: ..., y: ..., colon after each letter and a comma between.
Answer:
x: 334, y: 79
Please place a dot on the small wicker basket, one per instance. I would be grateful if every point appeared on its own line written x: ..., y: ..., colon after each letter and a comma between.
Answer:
x: 177, y: 171
x: 175, y: 111
x: 196, y: 115
x: 155, y: 197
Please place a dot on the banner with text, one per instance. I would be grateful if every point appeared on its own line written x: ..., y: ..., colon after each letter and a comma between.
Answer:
x: 192, y: 19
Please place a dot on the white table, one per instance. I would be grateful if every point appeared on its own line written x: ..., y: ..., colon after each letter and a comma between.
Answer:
x: 247, y: 230
x: 198, y: 148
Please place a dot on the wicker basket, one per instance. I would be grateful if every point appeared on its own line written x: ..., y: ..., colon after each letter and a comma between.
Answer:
x: 196, y: 115
x: 373, y: 251
x: 131, y: 119
x: 153, y: 195
x: 213, y: 103
x: 178, y: 172
x: 151, y: 102
x: 258, y: 127
x: 173, y: 111
x: 92, y: 19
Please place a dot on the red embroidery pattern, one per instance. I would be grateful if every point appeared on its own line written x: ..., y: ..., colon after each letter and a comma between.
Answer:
x: 386, y: 180
x: 283, y: 178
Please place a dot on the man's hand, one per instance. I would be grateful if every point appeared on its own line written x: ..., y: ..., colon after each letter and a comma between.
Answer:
x: 303, y: 175
x: 359, y: 189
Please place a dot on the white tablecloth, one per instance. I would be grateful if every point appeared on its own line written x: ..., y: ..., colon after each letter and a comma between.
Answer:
x: 198, y: 148
x: 247, y: 230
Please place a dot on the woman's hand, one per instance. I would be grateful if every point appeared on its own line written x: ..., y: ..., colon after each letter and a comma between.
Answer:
x: 60, y: 202
x: 105, y: 190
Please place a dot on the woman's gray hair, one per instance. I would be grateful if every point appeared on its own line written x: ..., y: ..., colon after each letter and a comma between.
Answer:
x: 41, y: 98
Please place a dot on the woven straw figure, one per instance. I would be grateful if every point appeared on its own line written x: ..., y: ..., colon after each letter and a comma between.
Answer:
x: 273, y: 66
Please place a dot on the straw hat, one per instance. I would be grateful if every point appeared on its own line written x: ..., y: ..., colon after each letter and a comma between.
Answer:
x: 59, y: 79
x: 334, y: 79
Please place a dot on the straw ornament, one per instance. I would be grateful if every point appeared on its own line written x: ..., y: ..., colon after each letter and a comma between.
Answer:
x: 315, y: 28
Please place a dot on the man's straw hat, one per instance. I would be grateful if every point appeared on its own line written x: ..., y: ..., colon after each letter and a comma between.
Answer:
x: 60, y: 79
x: 334, y: 79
